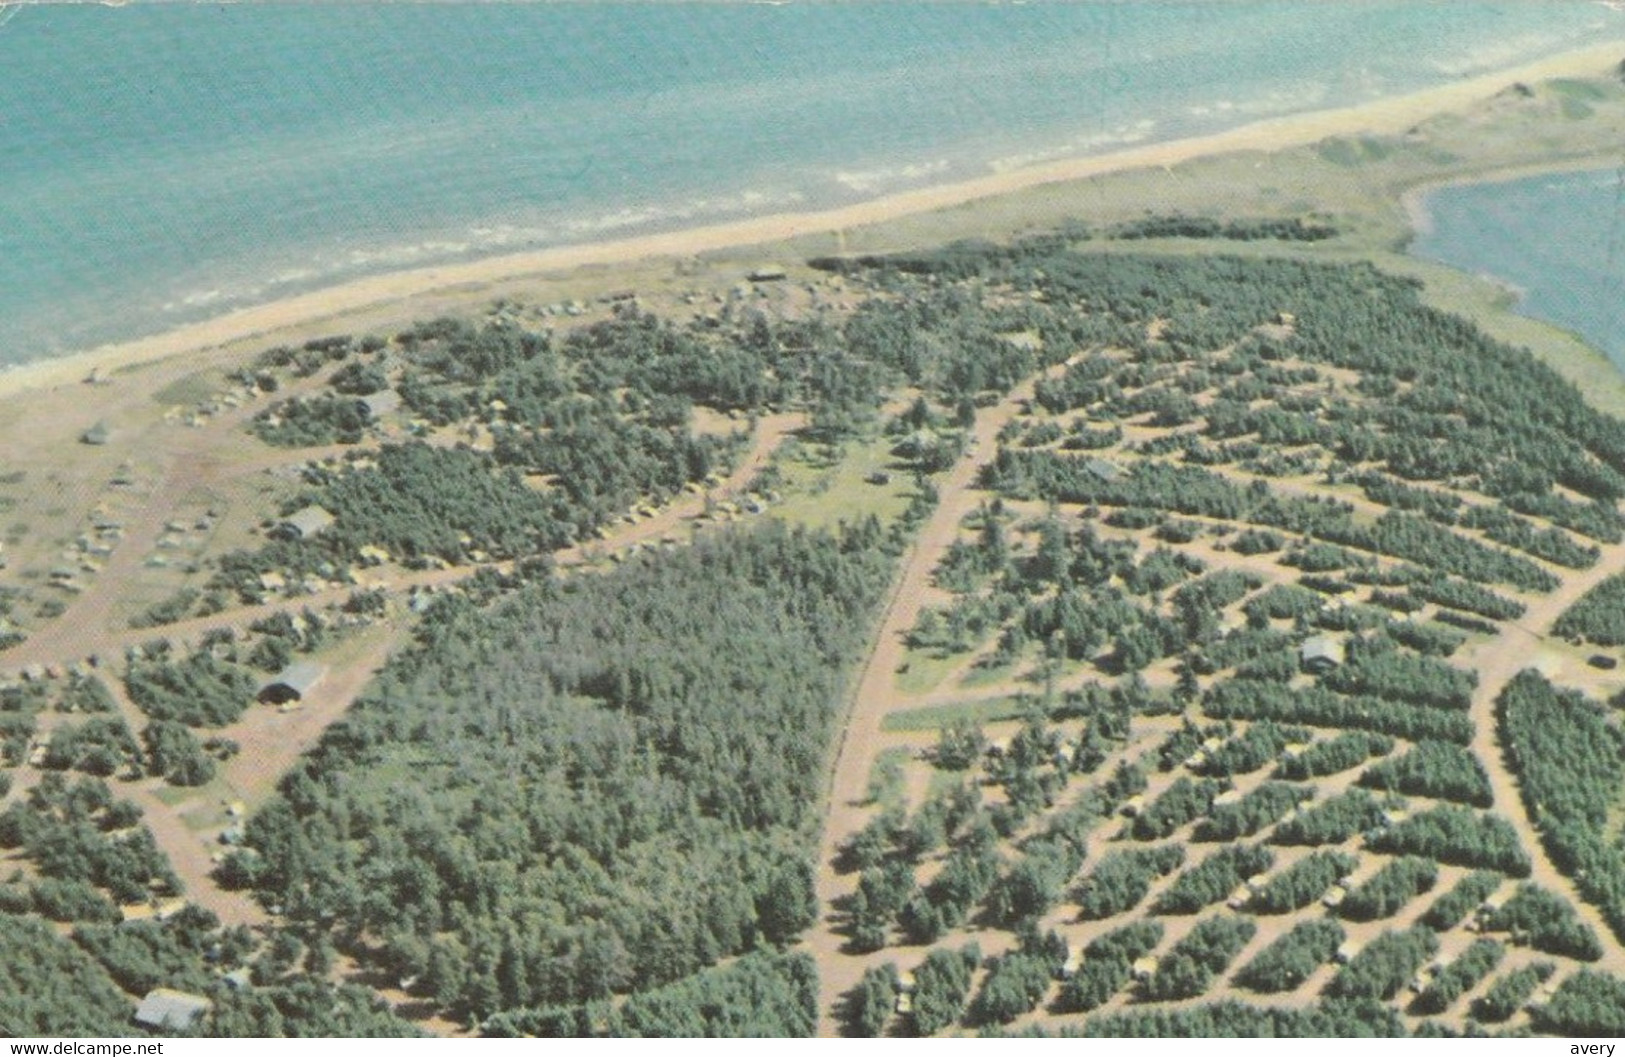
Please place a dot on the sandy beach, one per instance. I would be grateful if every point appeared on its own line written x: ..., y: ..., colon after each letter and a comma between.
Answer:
x: 1384, y: 116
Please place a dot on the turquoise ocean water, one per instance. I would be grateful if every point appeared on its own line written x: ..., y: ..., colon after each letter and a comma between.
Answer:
x: 160, y: 162
x: 1558, y: 239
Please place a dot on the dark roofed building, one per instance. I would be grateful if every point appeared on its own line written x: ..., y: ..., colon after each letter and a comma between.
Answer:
x: 308, y: 522
x: 169, y: 1010
x: 292, y: 683
x: 1321, y: 654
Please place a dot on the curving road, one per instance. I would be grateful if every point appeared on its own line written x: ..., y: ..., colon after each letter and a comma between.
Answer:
x: 1496, y: 662
x: 874, y: 696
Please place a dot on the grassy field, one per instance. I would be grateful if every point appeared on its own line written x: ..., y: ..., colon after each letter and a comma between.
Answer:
x: 925, y: 669
x: 823, y: 485
x: 935, y: 717
x: 193, y: 388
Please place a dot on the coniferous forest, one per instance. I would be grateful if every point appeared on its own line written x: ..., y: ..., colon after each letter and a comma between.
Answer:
x: 1223, y: 580
x: 614, y: 779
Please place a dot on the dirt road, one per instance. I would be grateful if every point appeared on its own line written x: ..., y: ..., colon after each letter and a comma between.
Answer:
x: 1496, y: 662
x: 189, y: 851
x: 85, y: 629
x: 874, y: 696
x: 272, y: 741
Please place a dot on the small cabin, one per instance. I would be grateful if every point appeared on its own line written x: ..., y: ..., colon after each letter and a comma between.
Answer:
x: 306, y: 523
x: 1145, y: 968
x: 292, y: 683
x: 1321, y: 653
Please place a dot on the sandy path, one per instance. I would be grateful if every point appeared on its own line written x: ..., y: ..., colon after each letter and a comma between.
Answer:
x: 86, y: 626
x: 188, y: 852
x: 1496, y: 662
x: 875, y: 694
x: 193, y: 862
x: 273, y: 741
x: 82, y: 630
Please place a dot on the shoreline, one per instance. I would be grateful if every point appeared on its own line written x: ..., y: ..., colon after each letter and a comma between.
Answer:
x: 1390, y: 115
x: 1414, y: 199
x: 1414, y: 202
